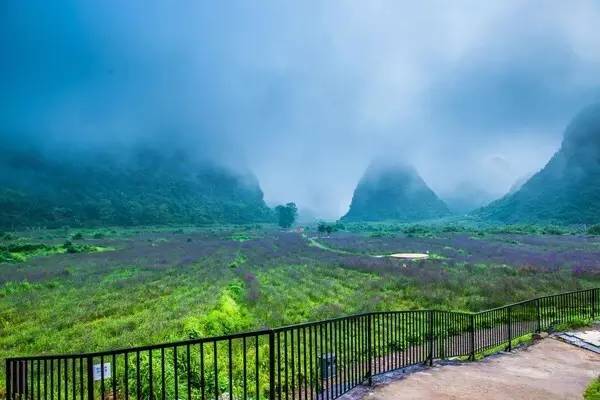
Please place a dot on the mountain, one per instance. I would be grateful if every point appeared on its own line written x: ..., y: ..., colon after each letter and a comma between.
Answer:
x: 145, y: 188
x: 394, y: 191
x: 567, y: 189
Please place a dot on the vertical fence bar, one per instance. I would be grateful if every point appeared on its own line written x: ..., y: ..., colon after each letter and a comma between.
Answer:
x: 430, y: 334
x: 509, y: 311
x: 594, y: 299
x: 271, y: 366
x: 370, y: 349
x: 539, y: 315
x: 472, y: 331
x: 8, y: 379
x: 90, y: 378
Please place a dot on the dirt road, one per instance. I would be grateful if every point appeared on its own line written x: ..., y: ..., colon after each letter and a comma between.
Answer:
x: 548, y: 370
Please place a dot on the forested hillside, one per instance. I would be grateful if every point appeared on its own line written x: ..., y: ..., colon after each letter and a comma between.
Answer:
x: 145, y: 188
x: 394, y: 191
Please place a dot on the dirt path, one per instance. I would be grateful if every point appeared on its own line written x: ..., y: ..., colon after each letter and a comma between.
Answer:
x: 312, y: 241
x: 548, y: 370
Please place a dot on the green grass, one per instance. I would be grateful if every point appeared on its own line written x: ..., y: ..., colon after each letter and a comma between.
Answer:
x: 19, y: 252
x: 574, y: 323
x: 592, y: 392
x: 248, y: 279
x: 518, y: 341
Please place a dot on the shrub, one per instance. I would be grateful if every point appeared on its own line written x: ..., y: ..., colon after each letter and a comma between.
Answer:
x: 6, y: 236
x: 327, y: 228
x: 576, y: 322
x: 594, y: 230
x: 592, y: 392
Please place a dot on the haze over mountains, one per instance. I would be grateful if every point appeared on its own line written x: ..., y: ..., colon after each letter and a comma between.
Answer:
x: 154, y: 186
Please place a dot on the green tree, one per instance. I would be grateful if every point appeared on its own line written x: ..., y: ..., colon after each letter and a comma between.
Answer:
x: 286, y: 214
x: 326, y: 228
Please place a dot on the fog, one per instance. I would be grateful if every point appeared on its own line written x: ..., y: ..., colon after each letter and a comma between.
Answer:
x: 305, y: 94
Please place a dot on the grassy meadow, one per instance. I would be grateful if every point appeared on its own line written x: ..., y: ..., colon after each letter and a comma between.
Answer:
x: 67, y: 290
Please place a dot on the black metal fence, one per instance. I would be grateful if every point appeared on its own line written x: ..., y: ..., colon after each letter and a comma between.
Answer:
x: 312, y: 361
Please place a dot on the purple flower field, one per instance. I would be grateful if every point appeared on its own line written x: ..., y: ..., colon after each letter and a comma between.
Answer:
x: 159, y: 285
x: 581, y: 254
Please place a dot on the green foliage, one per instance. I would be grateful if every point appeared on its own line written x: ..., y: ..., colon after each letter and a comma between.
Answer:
x: 6, y: 236
x: 72, y: 248
x: 131, y: 297
x: 12, y: 288
x: 592, y: 392
x: 574, y: 323
x: 240, y: 236
x: 19, y: 251
x: 239, y: 260
x: 324, y: 227
x: 516, y: 342
x: 594, y: 230
x: 152, y: 189
x: 286, y: 214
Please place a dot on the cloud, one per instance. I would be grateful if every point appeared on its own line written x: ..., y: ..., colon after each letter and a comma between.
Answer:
x: 305, y: 94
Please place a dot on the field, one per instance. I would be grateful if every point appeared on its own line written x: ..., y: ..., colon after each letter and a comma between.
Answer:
x: 73, y: 291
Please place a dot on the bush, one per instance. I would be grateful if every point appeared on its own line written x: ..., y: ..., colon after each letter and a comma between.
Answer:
x: 6, y: 236
x: 592, y: 392
x: 326, y: 228
x: 575, y: 323
x: 553, y: 230
x: 594, y: 230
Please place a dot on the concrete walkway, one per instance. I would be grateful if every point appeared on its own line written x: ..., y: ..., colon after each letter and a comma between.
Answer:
x: 548, y: 370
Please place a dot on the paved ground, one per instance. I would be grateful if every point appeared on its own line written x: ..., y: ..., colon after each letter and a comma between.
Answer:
x: 590, y: 336
x: 548, y: 370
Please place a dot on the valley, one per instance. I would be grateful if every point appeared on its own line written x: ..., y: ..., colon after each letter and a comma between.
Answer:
x: 171, y: 283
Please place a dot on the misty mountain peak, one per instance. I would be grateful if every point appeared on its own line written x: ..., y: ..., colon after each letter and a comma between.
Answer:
x: 393, y: 190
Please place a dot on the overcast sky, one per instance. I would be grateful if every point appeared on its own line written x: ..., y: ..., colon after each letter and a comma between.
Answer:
x: 475, y: 94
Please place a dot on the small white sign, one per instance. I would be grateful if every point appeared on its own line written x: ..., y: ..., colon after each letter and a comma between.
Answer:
x: 98, y: 371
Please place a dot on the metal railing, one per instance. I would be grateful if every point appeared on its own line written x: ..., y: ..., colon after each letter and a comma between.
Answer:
x: 312, y: 361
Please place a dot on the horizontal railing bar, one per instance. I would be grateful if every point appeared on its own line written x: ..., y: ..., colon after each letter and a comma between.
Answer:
x: 550, y: 296
x: 323, y: 321
x: 128, y: 350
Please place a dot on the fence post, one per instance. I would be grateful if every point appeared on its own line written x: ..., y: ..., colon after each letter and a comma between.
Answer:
x: 509, y: 309
x: 430, y: 358
x: 90, y: 378
x: 271, y: 365
x: 539, y: 315
x: 594, y: 300
x: 8, y: 379
x: 370, y: 348
x: 472, y: 355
